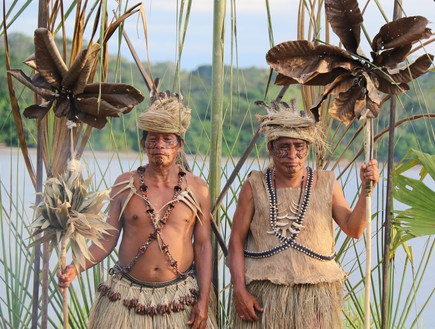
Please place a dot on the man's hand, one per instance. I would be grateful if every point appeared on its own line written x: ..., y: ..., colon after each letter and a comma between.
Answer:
x: 247, y: 305
x: 370, y: 172
x: 199, y: 315
x: 66, y: 277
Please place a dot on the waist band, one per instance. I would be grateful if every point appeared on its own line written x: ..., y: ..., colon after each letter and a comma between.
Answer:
x: 117, y: 270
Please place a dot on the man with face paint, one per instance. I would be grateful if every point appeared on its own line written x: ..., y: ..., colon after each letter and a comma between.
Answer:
x: 163, y: 276
x: 281, y: 249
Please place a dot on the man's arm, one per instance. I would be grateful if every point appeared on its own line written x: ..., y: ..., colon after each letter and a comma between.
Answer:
x: 353, y: 222
x: 246, y: 304
x: 203, y: 256
x: 108, y: 241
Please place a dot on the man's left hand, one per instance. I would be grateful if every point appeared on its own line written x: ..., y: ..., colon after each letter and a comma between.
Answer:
x: 370, y: 172
x: 198, y: 317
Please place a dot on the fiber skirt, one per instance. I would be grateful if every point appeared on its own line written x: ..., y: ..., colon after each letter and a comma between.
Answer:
x: 122, y: 303
x: 302, y: 306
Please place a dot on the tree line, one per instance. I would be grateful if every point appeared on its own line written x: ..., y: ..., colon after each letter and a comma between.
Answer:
x: 243, y: 86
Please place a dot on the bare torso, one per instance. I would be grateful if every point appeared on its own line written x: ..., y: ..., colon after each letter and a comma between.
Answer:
x: 177, y: 233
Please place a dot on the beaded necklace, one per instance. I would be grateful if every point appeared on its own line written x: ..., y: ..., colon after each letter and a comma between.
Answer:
x: 302, y: 207
x: 287, y: 242
x: 157, y: 222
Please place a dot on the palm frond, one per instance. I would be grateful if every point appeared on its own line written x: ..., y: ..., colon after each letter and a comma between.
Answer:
x: 418, y: 219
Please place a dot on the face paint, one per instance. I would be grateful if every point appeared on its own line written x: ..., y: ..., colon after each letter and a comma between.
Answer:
x: 285, y: 150
x: 279, y: 153
x: 166, y: 142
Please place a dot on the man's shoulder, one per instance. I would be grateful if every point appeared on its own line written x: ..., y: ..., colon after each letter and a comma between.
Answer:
x: 125, y: 176
x: 196, y: 181
x: 123, y: 180
x: 325, y: 175
x: 324, y: 172
x: 255, y: 175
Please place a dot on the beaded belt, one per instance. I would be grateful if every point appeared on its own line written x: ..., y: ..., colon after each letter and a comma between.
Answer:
x: 117, y: 270
x: 150, y: 298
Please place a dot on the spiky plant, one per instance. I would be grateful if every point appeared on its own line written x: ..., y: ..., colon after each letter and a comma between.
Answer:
x: 70, y: 212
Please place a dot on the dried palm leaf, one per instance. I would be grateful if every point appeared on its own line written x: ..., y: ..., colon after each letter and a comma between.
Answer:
x: 401, y: 32
x: 302, y: 60
x: 49, y: 62
x: 355, y: 79
x: 68, y: 91
x: 345, y: 19
x: 413, y: 71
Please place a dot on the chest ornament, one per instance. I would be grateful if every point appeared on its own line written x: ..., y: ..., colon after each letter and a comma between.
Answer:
x: 291, y: 222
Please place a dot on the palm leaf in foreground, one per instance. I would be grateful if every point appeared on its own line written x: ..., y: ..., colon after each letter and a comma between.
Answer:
x: 419, y: 219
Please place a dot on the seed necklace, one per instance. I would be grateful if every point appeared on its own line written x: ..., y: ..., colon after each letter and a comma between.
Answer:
x: 157, y: 222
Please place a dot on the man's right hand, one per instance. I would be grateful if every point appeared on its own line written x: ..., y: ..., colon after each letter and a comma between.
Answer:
x: 247, y: 305
x: 66, y: 277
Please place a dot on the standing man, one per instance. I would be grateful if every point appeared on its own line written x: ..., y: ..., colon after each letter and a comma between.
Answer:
x: 281, y: 249
x: 163, y: 276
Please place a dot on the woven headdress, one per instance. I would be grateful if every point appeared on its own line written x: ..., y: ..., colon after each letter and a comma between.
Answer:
x: 283, y: 120
x: 166, y: 114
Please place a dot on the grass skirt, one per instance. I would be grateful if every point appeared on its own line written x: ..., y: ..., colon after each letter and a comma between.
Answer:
x: 302, y: 306
x: 120, y: 303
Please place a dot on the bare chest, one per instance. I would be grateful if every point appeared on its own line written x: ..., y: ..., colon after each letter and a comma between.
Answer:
x: 163, y: 210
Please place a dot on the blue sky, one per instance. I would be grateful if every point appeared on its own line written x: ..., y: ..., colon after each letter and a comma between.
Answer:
x: 251, y: 19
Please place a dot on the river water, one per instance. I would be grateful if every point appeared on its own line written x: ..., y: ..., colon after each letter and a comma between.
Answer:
x: 105, y: 167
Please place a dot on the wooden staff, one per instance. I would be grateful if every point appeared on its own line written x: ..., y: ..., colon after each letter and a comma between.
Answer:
x: 368, y: 148
x: 64, y: 242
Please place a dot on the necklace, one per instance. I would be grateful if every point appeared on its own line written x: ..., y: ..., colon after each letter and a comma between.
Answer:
x: 289, y: 224
x: 157, y: 222
x: 301, y: 208
x: 287, y: 242
x: 155, y: 219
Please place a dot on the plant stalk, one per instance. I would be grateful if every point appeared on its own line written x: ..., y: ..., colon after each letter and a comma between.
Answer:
x: 42, y: 22
x: 62, y: 263
x: 387, y: 222
x: 219, y: 7
x: 388, y: 204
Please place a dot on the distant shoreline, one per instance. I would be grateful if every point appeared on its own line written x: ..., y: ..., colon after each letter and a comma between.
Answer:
x: 134, y: 155
x: 103, y: 154
x: 32, y: 151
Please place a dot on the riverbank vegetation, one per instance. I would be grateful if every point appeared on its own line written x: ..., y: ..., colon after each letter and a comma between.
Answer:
x: 240, y: 123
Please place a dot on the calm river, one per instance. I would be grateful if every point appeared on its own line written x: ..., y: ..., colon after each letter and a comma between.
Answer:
x: 105, y: 167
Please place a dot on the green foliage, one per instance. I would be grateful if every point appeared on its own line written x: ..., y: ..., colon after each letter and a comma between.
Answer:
x: 20, y: 47
x: 239, y: 116
x: 418, y: 219
x: 242, y: 88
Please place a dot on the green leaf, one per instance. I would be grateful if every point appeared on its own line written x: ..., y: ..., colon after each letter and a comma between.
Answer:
x: 419, y: 218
